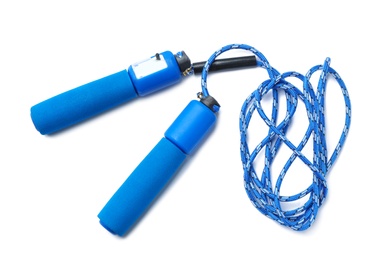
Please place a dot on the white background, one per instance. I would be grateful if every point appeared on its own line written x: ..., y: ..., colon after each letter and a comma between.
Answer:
x: 53, y: 187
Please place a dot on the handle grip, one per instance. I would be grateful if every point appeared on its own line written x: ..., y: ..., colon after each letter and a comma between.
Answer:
x: 142, y: 78
x: 145, y: 183
x: 83, y: 102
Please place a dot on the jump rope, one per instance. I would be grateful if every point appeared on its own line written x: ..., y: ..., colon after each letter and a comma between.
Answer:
x: 187, y: 132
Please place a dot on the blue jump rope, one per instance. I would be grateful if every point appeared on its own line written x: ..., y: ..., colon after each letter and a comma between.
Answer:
x: 186, y: 133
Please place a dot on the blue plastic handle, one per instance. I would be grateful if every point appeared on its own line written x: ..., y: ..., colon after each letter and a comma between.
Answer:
x: 144, y: 184
x: 76, y: 105
x: 81, y: 103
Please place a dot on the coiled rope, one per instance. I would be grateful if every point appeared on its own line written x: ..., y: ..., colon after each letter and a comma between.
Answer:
x: 259, y: 187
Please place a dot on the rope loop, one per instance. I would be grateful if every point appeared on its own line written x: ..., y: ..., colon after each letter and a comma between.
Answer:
x: 263, y: 194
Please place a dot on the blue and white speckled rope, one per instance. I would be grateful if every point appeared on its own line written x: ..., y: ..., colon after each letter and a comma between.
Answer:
x: 264, y: 197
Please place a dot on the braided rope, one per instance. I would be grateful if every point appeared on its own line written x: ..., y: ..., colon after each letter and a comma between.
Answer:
x: 264, y: 197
